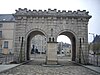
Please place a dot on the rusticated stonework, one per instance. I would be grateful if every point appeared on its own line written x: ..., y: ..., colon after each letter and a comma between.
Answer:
x: 51, y: 24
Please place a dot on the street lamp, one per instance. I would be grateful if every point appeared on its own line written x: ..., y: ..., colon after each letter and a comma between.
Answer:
x: 94, y: 46
x: 93, y: 39
x: 93, y: 35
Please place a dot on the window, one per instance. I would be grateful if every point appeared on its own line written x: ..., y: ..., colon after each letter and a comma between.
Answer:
x: 0, y: 50
x: 80, y: 42
x: 53, y: 39
x: 49, y: 39
x: 0, y: 34
x: 1, y: 25
x: 5, y: 44
x: 83, y: 40
x: 51, y: 32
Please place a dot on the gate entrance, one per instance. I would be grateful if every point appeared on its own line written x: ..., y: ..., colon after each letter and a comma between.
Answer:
x: 71, y: 36
x: 32, y: 48
x: 51, y: 24
x: 68, y: 51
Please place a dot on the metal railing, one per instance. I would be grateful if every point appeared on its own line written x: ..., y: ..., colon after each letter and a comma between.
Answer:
x: 6, y: 58
x: 94, y: 59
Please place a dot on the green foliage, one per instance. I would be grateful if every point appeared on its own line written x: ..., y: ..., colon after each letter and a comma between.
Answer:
x: 96, y: 47
x: 98, y: 54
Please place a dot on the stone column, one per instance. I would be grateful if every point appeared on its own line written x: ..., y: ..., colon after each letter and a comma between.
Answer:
x: 51, y: 53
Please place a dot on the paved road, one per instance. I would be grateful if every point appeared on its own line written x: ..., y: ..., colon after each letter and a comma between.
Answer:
x: 35, y: 68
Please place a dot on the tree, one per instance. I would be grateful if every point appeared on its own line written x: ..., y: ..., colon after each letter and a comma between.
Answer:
x: 96, y: 47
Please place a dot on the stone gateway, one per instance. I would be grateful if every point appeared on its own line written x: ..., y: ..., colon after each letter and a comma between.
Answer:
x: 51, y: 24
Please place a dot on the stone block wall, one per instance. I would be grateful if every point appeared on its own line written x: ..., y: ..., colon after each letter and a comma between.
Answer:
x: 51, y: 23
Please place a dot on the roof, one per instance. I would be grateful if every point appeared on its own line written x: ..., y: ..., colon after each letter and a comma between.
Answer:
x: 7, y: 17
x: 96, y: 39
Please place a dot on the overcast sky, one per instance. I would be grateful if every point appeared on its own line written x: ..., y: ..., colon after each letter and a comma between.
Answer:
x: 93, y: 6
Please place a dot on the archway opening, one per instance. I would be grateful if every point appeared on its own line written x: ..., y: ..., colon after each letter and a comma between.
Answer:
x: 64, y: 51
x: 66, y: 47
x: 36, y: 46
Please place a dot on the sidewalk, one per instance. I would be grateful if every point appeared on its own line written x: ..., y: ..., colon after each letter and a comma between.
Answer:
x: 6, y: 67
x: 94, y: 68
x: 91, y: 67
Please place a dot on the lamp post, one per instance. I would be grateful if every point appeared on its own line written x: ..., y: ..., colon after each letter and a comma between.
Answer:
x: 93, y: 39
x: 94, y: 46
x: 93, y: 35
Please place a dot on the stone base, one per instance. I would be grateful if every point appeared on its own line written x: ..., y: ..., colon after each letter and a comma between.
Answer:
x: 51, y: 62
x: 52, y: 53
x: 52, y: 65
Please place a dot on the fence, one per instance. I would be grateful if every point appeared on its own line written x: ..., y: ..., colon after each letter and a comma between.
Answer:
x: 6, y: 59
x: 94, y: 59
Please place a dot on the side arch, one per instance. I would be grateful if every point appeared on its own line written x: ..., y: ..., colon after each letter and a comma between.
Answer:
x: 29, y: 35
x: 35, y: 29
x: 73, y: 37
x: 66, y: 30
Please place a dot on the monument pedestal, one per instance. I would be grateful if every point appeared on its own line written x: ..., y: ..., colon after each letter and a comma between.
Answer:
x: 52, y: 53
